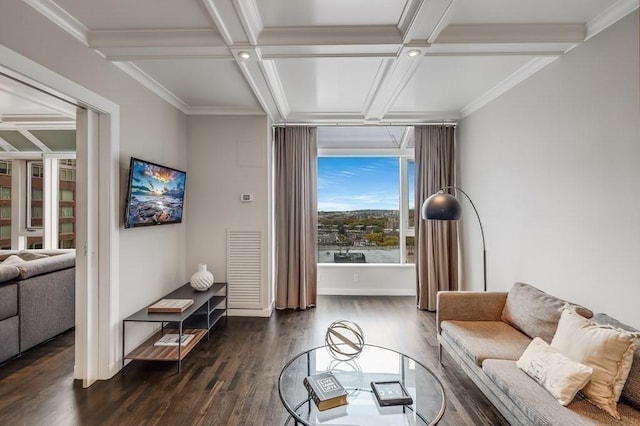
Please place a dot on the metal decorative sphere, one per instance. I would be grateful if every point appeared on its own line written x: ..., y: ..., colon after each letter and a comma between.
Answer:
x: 344, y: 340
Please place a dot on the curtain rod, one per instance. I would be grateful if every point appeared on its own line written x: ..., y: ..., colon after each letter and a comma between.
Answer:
x: 439, y: 123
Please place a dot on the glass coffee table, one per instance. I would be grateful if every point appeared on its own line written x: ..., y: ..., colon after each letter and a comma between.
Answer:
x: 374, y: 363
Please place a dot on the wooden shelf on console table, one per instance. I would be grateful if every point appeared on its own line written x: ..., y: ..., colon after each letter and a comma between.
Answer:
x: 148, y: 351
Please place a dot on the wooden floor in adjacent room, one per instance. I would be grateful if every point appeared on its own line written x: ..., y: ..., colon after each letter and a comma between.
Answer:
x: 230, y: 379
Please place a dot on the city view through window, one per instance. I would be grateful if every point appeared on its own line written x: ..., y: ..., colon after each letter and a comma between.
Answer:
x: 360, y: 210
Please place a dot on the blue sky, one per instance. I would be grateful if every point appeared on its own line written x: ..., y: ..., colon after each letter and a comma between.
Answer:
x: 358, y: 183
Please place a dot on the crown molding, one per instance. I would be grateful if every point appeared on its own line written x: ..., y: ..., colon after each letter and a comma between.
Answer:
x: 512, y: 33
x: 613, y: 14
x: 426, y: 117
x: 143, y: 78
x: 61, y: 18
x: 227, y: 110
x: 330, y: 35
x: 508, y: 83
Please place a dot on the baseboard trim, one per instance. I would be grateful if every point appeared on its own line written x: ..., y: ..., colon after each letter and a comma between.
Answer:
x: 250, y: 312
x: 365, y: 292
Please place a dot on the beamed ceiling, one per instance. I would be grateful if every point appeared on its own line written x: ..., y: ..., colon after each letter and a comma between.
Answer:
x: 331, y: 61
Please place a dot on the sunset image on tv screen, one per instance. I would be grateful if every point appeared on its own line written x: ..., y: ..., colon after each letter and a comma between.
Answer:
x: 156, y: 194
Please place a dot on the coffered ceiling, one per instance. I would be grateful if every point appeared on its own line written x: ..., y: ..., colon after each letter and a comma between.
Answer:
x: 333, y: 61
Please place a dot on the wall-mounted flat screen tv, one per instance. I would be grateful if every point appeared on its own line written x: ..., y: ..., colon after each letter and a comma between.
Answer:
x: 155, y: 195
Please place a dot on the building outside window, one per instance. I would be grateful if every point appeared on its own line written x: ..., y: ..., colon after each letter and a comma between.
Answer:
x: 66, y: 203
x: 6, y: 170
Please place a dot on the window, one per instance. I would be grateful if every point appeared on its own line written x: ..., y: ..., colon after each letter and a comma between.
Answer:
x: 66, y: 195
x: 66, y: 212
x: 5, y: 212
x: 5, y: 192
x: 66, y: 228
x: 36, y: 194
x: 5, y: 232
x: 359, y: 209
x: 37, y: 169
x: 5, y: 167
x: 36, y: 212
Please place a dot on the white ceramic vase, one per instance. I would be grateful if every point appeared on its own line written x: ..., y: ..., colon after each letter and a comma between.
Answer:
x: 202, y: 279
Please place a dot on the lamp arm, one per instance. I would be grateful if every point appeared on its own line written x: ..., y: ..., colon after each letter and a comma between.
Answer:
x: 484, y: 249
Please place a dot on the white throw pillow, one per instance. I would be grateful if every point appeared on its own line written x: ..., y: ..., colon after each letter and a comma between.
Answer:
x: 559, y: 375
x: 609, y: 351
x: 13, y: 260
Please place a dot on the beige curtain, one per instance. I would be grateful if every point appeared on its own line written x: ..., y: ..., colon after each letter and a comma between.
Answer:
x: 436, y: 241
x: 296, y: 217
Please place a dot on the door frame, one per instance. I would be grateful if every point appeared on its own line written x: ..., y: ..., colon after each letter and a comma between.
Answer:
x: 97, y: 236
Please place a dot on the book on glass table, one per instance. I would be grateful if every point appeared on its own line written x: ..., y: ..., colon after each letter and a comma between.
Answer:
x: 172, y: 340
x: 325, y: 390
x: 170, y: 306
x: 391, y: 393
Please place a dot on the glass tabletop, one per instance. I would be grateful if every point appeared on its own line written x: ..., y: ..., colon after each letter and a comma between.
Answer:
x: 374, y: 363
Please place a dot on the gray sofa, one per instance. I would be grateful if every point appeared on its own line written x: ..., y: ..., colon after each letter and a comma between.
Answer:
x: 473, y: 331
x: 37, y: 298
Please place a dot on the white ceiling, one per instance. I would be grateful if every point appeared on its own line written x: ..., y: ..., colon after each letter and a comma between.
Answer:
x: 330, y: 61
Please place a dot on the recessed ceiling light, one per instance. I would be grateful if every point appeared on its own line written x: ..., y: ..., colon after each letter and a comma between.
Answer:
x: 413, y: 53
x: 244, y: 55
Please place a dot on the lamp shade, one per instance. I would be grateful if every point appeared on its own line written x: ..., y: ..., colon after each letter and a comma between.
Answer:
x: 441, y: 206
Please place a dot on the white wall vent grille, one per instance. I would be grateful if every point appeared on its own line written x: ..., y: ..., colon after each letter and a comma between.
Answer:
x: 244, y: 269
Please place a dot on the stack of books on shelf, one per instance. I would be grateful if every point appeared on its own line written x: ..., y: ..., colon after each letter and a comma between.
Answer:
x: 172, y: 340
x: 170, y: 306
x: 325, y: 390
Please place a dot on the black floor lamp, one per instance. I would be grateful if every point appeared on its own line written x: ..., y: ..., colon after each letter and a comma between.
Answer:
x: 444, y: 206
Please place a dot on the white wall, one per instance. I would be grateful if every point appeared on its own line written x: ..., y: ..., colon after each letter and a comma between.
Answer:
x: 152, y: 259
x: 368, y: 280
x: 554, y: 169
x: 227, y: 156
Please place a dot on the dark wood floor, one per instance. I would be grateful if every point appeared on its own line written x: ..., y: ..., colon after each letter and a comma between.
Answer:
x: 230, y: 379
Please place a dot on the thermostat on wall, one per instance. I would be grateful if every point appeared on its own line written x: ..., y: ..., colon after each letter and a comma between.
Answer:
x: 245, y: 198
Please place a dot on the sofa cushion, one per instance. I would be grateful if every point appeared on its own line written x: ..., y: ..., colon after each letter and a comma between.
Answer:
x: 13, y: 260
x: 559, y: 375
x: 535, y: 312
x: 541, y: 407
x: 607, y: 350
x: 631, y: 390
x: 30, y: 255
x: 45, y: 265
x: 482, y: 340
x: 8, y: 300
x: 8, y: 272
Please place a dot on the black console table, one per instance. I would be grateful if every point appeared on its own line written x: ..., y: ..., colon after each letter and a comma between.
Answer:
x: 208, y: 307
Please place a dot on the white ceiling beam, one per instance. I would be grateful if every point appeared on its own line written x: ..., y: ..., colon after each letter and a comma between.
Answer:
x: 331, y: 35
x: 34, y: 140
x: 250, y: 19
x: 39, y: 122
x: 391, y: 84
x: 225, y: 17
x: 6, y: 146
x: 512, y: 33
x: 406, y: 136
x: 424, y: 19
x: 252, y: 70
x: 155, y: 38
